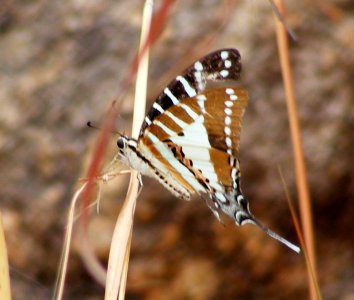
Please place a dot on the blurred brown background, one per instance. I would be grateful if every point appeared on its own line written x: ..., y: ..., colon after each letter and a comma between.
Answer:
x: 60, y: 65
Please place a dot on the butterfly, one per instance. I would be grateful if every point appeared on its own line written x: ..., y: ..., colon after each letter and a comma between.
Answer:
x: 189, y: 140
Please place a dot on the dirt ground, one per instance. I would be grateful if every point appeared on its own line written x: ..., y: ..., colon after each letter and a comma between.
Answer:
x: 60, y: 66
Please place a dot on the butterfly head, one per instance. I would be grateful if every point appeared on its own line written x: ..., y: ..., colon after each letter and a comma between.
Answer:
x: 131, y: 156
x: 122, y: 143
x: 127, y: 148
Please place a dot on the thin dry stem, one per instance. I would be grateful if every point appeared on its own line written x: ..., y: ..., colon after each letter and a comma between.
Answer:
x: 5, y: 290
x: 299, y: 234
x: 120, y: 246
x: 90, y: 261
x: 299, y: 161
x: 59, y: 286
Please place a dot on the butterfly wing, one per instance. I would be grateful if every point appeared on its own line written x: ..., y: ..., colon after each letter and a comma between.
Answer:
x: 198, y: 138
x: 219, y: 66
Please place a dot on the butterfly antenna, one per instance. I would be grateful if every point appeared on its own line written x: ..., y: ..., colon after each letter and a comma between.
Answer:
x: 89, y: 124
x: 272, y: 234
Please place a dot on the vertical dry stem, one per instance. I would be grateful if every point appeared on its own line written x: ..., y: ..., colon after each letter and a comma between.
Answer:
x: 299, y: 161
x: 5, y: 291
x: 120, y: 247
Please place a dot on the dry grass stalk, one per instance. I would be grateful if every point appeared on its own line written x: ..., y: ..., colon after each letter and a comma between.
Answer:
x: 62, y: 270
x: 299, y: 233
x: 300, y: 167
x: 94, y: 168
x: 120, y: 246
x: 5, y: 291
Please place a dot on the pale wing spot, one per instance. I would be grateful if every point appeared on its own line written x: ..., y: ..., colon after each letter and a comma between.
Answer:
x: 228, y: 142
x: 187, y: 87
x: 229, y: 103
x: 178, y: 121
x: 158, y: 107
x: 202, y: 106
x: 227, y: 120
x: 198, y: 66
x: 232, y: 159
x: 233, y: 173
x: 224, y: 73
x: 233, y: 97
x: 171, y: 96
x: 224, y: 55
x: 229, y: 91
x: 228, y: 111
x: 201, y: 97
x: 148, y: 121
x: 227, y: 63
x: 227, y: 130
x: 198, y: 78
x: 164, y: 128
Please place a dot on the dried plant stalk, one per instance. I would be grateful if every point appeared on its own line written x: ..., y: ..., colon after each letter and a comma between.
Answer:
x: 5, y: 291
x: 62, y: 270
x: 120, y: 246
x: 299, y: 161
x: 299, y: 233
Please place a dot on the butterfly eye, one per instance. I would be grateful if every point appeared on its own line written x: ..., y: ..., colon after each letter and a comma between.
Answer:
x: 120, y: 143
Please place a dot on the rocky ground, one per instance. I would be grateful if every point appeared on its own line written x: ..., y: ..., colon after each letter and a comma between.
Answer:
x: 60, y: 66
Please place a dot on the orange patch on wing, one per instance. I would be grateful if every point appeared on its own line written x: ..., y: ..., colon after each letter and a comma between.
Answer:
x: 158, y: 132
x: 180, y: 113
x: 192, y: 104
x: 222, y: 167
x: 215, y: 119
x: 168, y: 122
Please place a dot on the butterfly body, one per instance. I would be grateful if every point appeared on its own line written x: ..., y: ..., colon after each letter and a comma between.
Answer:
x: 189, y: 140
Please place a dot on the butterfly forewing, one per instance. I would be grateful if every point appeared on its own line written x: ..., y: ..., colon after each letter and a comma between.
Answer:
x: 221, y: 65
